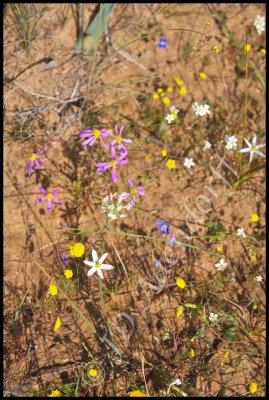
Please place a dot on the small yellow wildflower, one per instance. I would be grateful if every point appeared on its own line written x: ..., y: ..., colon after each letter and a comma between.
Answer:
x: 171, y: 164
x: 203, y: 75
x: 159, y: 90
x: 247, y: 47
x: 219, y: 249
x: 216, y: 48
x: 93, y: 372
x: 77, y: 249
x: 169, y: 90
x: 68, y: 273
x: 55, y: 393
x: 222, y: 364
x: 226, y: 354
x: 263, y: 51
x: 53, y: 289
x: 177, y: 80
x: 138, y: 393
x: 180, y: 283
x: 192, y: 353
x: 255, y: 217
x: 182, y: 91
x: 164, y: 153
x: 254, y: 307
x: 253, y: 387
x: 155, y: 96
x: 58, y: 323
x: 194, y: 48
x: 166, y: 100
x: 192, y: 340
x: 179, y: 311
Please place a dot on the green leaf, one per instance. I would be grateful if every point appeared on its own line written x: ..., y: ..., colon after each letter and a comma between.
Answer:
x: 190, y: 305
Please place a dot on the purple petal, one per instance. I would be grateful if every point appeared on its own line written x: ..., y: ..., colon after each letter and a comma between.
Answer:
x: 40, y: 199
x: 39, y: 162
x: 130, y: 182
x: 114, y: 175
x: 125, y: 196
x: 29, y: 167
x: 121, y: 129
x: 113, y: 150
x: 123, y: 155
x: 122, y: 162
x: 140, y: 190
x: 126, y: 140
x: 55, y: 191
x: 89, y: 142
x: 43, y: 190
x: 103, y: 143
x: 105, y: 132
x: 86, y: 133
x: 133, y: 201
x: 57, y: 201
x: 49, y: 204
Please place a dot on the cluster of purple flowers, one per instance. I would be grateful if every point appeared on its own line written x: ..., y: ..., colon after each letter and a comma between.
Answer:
x: 118, y: 142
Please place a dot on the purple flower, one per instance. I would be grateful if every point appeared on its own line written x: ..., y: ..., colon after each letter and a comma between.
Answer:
x: 162, y: 43
x: 172, y: 240
x: 34, y: 160
x: 139, y: 190
x: 113, y: 163
x: 93, y: 135
x: 164, y: 227
x: 119, y: 139
x: 157, y: 263
x: 49, y: 197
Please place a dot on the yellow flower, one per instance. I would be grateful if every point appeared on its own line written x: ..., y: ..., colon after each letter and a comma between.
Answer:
x: 263, y: 51
x: 169, y: 90
x: 55, y: 393
x: 226, y: 354
x: 171, y: 164
x: 247, y: 47
x: 219, y: 249
x: 77, y: 249
x: 68, y: 273
x: 192, y: 340
x: 255, y: 217
x: 180, y: 310
x: 192, y: 353
x: 182, y: 91
x: 138, y: 393
x: 58, y: 323
x: 177, y: 80
x: 216, y: 48
x: 174, y: 115
x: 93, y: 372
x: 254, y: 307
x: 203, y: 75
x: 180, y: 283
x: 194, y: 48
x: 166, y: 100
x: 53, y: 289
x: 159, y: 90
x: 155, y: 96
x: 164, y: 153
x: 253, y: 387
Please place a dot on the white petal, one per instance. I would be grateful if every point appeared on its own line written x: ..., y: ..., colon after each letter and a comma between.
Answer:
x: 102, y: 258
x: 259, y: 146
x: 91, y: 271
x: 251, y: 156
x: 260, y: 154
x: 94, y: 256
x: 244, y: 150
x: 254, y: 140
x: 107, y: 266
x: 90, y: 263
x: 100, y: 273
x: 247, y: 142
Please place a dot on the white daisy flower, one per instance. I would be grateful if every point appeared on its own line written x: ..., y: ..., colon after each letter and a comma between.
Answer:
x: 259, y: 23
x: 173, y: 109
x: 188, y: 162
x: 97, y: 264
x: 231, y: 142
x: 169, y: 118
x: 221, y: 265
x: 213, y: 317
x: 201, y: 109
x: 252, y: 148
x: 241, y: 232
x: 258, y: 278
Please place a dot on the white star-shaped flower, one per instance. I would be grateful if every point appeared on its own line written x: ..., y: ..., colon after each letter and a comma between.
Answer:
x: 97, y: 264
x: 241, y: 232
x: 173, y: 109
x: 188, y: 163
x: 213, y: 317
x: 221, y: 266
x: 252, y: 148
x: 258, y: 278
x: 207, y: 145
x: 259, y: 23
x: 200, y: 109
x: 231, y: 142
x: 169, y: 118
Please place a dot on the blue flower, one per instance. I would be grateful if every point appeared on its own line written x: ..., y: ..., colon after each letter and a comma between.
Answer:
x: 164, y: 227
x: 157, y: 263
x: 162, y: 43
